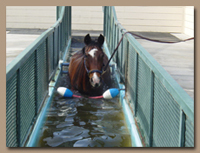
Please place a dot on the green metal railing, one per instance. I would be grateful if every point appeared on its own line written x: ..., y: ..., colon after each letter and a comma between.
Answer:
x: 28, y: 76
x: 163, y: 110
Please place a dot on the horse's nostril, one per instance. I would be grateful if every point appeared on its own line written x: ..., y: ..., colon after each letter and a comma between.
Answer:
x: 96, y: 84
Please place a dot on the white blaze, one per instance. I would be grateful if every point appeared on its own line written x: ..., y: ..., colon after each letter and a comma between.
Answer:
x: 95, y: 78
x: 91, y: 52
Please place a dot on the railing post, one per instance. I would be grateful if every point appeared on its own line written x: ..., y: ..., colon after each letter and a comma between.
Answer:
x: 104, y: 25
x: 136, y: 82
x: 182, y: 129
x: 58, y: 8
x: 126, y: 65
x: 35, y: 77
x: 70, y: 18
x: 47, y: 60
x: 151, y: 110
x: 18, y: 108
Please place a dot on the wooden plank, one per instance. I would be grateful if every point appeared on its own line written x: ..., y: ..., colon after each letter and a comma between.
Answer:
x: 177, y: 71
x: 29, y: 25
x: 88, y: 21
x: 153, y: 16
x: 151, y: 22
x: 87, y: 26
x: 41, y: 17
x: 34, y: 7
x: 26, y: 13
x: 133, y: 18
x: 31, y: 19
x: 189, y: 32
x: 189, y: 10
x: 177, y: 59
x: 87, y: 8
x: 189, y: 25
x: 150, y: 9
x: 87, y: 18
x: 16, y: 43
x: 31, y: 11
x: 187, y: 82
x: 145, y: 28
x: 189, y: 18
x: 30, y: 7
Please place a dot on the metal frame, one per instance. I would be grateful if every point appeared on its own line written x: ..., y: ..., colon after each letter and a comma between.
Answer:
x: 113, y: 31
x: 61, y: 32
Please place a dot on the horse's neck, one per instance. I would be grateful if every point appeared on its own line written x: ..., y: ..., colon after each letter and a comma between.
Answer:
x: 82, y: 74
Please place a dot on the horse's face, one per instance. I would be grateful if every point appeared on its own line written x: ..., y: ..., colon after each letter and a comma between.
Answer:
x: 94, y: 59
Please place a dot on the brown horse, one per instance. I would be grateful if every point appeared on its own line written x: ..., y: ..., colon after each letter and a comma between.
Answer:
x: 86, y: 68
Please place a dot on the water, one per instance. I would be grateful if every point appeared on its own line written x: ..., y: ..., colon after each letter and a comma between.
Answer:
x: 84, y: 122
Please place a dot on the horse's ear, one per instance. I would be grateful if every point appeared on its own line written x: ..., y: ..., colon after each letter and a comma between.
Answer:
x: 101, y: 39
x: 87, y: 39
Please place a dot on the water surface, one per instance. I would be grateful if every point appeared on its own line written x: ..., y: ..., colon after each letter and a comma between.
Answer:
x: 84, y: 122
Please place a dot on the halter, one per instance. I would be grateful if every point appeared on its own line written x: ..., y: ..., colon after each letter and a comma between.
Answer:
x: 94, y: 70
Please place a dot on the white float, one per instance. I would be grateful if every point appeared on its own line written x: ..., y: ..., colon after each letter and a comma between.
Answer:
x: 108, y: 94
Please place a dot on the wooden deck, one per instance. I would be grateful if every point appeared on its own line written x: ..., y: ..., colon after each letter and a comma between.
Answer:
x: 177, y: 59
x: 17, y: 40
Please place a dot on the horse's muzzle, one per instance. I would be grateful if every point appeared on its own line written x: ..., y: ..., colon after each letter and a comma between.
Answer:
x: 95, y: 81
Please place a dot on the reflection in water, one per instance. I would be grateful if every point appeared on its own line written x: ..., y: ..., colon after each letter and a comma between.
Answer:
x: 84, y: 122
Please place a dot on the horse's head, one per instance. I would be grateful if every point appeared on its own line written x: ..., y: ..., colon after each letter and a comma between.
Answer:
x: 93, y: 59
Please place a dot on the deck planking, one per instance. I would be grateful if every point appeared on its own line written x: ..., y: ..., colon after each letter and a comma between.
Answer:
x: 17, y: 40
x: 177, y: 59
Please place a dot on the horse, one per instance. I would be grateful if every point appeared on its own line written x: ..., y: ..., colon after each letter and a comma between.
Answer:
x: 86, y: 68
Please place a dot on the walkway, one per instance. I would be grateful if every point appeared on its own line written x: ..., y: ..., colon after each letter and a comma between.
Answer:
x: 177, y: 59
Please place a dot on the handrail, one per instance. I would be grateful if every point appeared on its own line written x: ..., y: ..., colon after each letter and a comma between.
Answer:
x: 180, y: 95
x: 17, y: 62
x: 28, y: 75
x: 184, y: 100
x: 25, y: 54
x: 180, y: 102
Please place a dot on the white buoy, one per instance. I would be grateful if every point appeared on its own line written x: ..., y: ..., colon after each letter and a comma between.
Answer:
x: 110, y: 93
x: 65, y: 92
